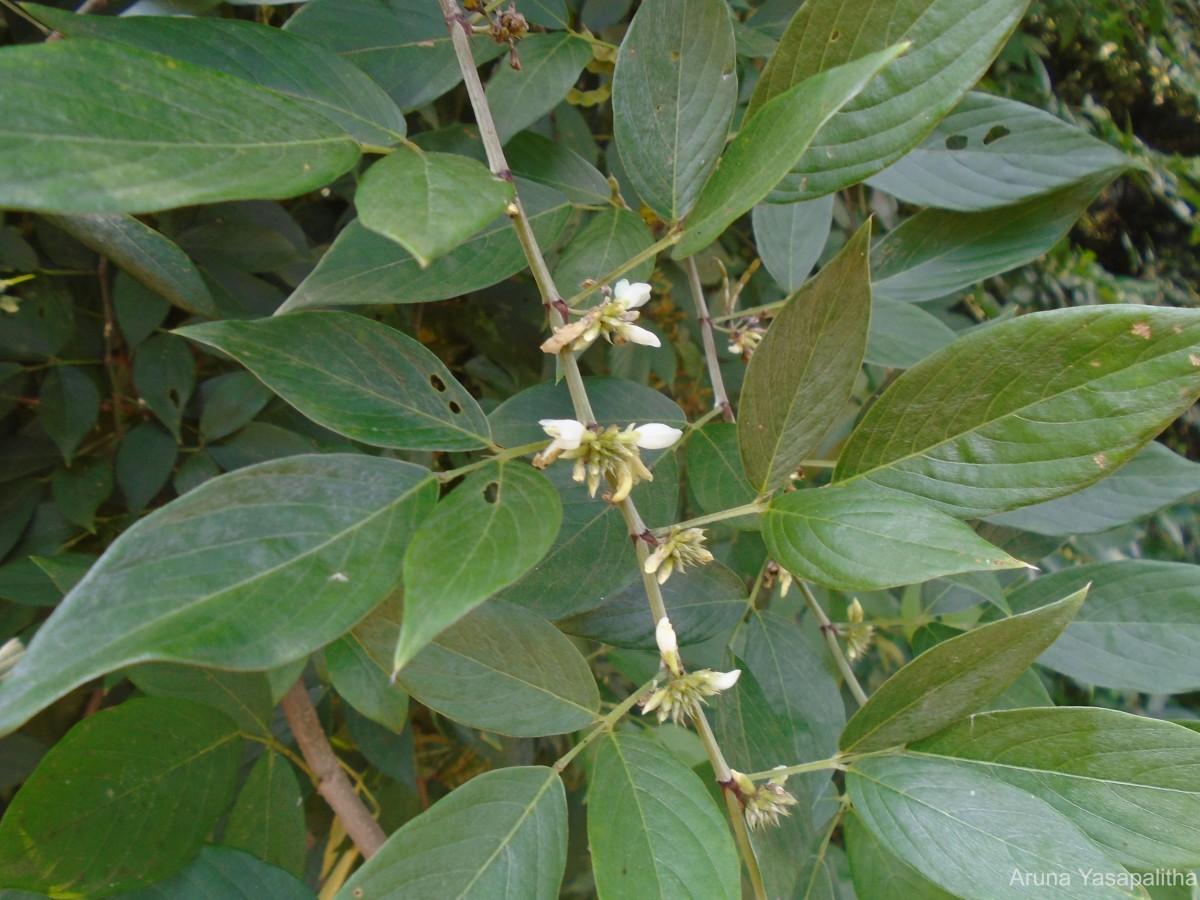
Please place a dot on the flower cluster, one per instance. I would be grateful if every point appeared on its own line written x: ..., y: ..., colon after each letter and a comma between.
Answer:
x: 613, y: 318
x: 609, y: 452
x: 681, y: 548
x: 745, y: 336
x: 763, y: 803
x: 680, y: 698
x: 858, y: 635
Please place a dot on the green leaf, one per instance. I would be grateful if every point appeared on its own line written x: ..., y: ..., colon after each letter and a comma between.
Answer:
x: 716, y: 475
x: 139, y: 310
x: 556, y: 165
x: 956, y: 678
x: 267, y: 821
x: 200, y: 580
x: 1154, y: 478
x: 502, y: 834
x: 590, y: 556
x: 938, y: 252
x: 271, y: 58
x: 903, y: 334
x: 259, y: 442
x: 70, y: 407
x: 144, y: 461
x: 364, y: 268
x: 18, y: 501
x: 315, y: 361
x: 230, y: 401
x: 220, y: 873
x: 127, y: 797
x: 769, y: 144
x: 1128, y: 782
x: 243, y: 696
x: 1140, y: 630
x: 857, y: 537
x: 877, y: 872
x: 146, y: 255
x: 790, y: 238
x: 505, y: 670
x: 403, y: 45
x: 704, y: 602
x: 674, y: 92
x: 954, y: 42
x: 429, y: 203
x: 653, y: 827
x: 496, y: 526
x: 1028, y: 409
x: 550, y: 65
x: 164, y: 373
x: 361, y: 673
x: 976, y: 836
x: 991, y: 152
x: 608, y: 240
x: 89, y: 127
x: 802, y: 374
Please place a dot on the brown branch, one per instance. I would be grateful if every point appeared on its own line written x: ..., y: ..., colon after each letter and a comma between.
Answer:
x: 332, y: 783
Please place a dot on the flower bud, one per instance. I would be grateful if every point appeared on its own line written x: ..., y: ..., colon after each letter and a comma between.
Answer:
x: 655, y: 436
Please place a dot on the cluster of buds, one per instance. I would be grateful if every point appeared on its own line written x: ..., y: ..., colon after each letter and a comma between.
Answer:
x: 858, y: 635
x: 680, y: 698
x: 613, y: 318
x: 745, y: 336
x: 11, y: 652
x: 682, y: 547
x: 608, y: 452
x: 508, y: 28
x: 762, y: 804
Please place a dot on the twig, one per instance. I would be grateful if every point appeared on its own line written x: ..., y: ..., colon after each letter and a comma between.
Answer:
x: 110, y: 342
x: 332, y: 783
x: 830, y: 633
x: 720, y: 398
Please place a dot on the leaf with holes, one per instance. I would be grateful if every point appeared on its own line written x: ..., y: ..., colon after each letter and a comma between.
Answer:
x: 164, y: 372
x: 494, y: 527
x: 502, y: 834
x: 953, y: 43
x: 429, y: 203
x: 991, y: 152
x: 126, y: 798
x: 355, y: 376
x: 1028, y: 409
x: 201, y: 580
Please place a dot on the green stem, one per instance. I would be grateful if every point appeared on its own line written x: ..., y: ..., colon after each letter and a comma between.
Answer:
x: 605, y: 725
x: 818, y: 463
x: 753, y: 311
x: 500, y: 454
x: 748, y: 509
x: 831, y: 640
x: 633, y: 262
x: 834, y: 762
x: 720, y: 397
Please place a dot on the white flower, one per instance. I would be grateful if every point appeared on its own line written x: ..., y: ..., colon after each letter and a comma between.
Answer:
x: 631, y: 296
x: 567, y: 433
x: 680, y: 698
x: 655, y: 436
x: 636, y: 334
x: 668, y: 646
